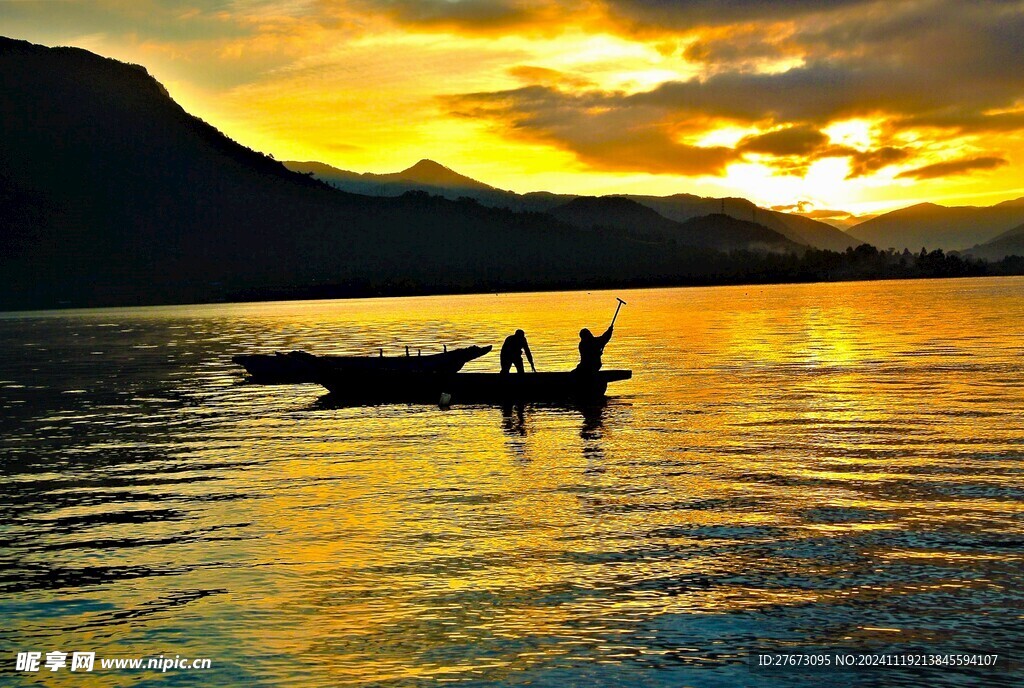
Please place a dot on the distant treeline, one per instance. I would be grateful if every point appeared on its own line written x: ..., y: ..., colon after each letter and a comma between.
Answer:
x: 737, y: 267
x: 865, y: 263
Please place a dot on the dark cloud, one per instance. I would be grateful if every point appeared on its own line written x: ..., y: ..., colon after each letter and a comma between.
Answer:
x: 621, y: 16
x: 632, y: 138
x: 808, y: 144
x: 941, y: 63
x: 953, y: 167
x: 473, y: 15
x: 968, y: 55
x: 614, y: 131
x: 909, y: 64
x: 686, y: 14
x: 741, y: 48
x: 652, y: 151
x: 963, y: 121
x: 797, y: 140
x: 863, y: 163
x: 938, y: 63
x: 817, y: 93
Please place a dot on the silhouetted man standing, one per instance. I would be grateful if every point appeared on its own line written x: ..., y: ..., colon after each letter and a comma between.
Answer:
x: 591, y: 348
x: 512, y: 352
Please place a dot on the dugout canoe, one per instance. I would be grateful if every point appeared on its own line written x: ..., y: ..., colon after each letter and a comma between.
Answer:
x: 296, y: 367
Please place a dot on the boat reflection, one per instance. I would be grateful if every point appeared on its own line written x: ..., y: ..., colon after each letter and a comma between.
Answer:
x: 514, y: 415
x: 515, y: 424
x: 592, y: 434
x: 513, y: 420
x: 520, y: 425
x: 516, y: 421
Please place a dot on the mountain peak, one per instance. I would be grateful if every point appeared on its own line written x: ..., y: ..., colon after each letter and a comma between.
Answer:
x: 429, y: 166
x: 435, y: 174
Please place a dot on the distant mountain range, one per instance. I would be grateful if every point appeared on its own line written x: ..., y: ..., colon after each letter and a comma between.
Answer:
x: 925, y: 225
x: 434, y: 178
x: 934, y: 226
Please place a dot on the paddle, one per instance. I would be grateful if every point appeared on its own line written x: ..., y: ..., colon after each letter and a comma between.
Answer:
x: 621, y: 304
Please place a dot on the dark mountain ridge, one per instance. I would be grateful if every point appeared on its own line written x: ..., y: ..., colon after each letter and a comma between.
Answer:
x: 1009, y: 243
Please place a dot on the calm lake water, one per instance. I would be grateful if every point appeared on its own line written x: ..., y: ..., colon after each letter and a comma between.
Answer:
x: 828, y: 467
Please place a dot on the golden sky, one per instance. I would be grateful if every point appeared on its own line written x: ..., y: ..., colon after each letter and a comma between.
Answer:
x: 847, y: 104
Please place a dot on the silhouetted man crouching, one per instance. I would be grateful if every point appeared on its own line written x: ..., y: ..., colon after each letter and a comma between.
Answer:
x: 512, y: 353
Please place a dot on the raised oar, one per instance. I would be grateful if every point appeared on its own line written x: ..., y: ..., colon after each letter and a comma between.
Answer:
x: 621, y: 304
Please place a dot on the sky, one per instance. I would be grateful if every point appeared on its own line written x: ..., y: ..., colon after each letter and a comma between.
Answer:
x: 827, y: 108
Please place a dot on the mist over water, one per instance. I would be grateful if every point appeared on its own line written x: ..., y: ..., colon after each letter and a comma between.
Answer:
x: 832, y: 467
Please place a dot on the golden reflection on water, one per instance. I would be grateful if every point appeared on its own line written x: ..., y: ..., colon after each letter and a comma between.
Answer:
x: 818, y: 466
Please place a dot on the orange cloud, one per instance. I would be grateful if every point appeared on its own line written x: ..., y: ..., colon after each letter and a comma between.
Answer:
x: 953, y: 167
x: 549, y: 77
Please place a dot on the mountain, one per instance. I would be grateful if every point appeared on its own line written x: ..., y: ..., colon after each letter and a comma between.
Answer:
x: 1009, y: 243
x: 426, y: 175
x: 934, y: 226
x: 634, y: 220
x: 434, y: 174
x: 431, y: 177
x: 796, y: 228
x: 726, y: 232
x: 111, y: 194
x: 436, y: 179
x: 614, y: 213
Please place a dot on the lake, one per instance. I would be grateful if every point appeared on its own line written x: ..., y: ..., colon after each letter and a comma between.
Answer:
x: 824, y: 468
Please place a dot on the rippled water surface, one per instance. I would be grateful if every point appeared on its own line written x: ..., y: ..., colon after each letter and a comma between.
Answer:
x: 792, y: 468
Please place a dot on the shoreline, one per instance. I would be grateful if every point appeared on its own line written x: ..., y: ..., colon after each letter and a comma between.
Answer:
x: 308, y: 298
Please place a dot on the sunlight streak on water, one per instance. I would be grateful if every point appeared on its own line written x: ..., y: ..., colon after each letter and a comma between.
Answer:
x: 832, y: 466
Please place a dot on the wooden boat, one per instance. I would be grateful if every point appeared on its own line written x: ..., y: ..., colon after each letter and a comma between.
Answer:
x: 432, y: 387
x: 296, y: 367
